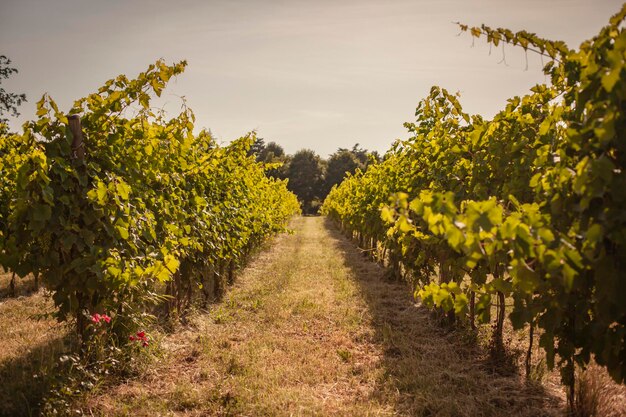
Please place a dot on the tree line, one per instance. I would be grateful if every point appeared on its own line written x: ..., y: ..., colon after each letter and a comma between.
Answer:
x: 311, y: 177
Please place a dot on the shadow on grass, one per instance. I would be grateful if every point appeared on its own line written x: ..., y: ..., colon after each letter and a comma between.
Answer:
x: 429, y: 370
x: 27, y: 379
x: 23, y: 286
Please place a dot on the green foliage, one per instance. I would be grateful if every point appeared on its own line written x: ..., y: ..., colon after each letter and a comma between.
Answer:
x: 273, y: 156
x: 530, y: 205
x: 9, y: 102
x: 149, y: 202
x: 306, y: 178
x: 339, y: 164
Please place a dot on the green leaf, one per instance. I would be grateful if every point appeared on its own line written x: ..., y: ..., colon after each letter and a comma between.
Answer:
x: 611, y: 78
x: 114, y: 271
x: 123, y: 190
x: 122, y: 228
x: 42, y: 213
x: 386, y: 214
x: 101, y: 193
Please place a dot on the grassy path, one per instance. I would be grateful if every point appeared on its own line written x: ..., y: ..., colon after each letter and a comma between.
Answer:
x: 311, y: 328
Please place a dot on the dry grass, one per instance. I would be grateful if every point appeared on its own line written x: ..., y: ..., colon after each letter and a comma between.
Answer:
x: 311, y: 328
x: 29, y: 347
x: 23, y: 286
x: 597, y: 395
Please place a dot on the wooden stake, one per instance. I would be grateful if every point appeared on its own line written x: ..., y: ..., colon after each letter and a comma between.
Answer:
x: 78, y: 147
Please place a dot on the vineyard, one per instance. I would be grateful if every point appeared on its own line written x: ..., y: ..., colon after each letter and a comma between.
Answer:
x: 131, y: 229
x: 117, y: 209
x: 525, y: 212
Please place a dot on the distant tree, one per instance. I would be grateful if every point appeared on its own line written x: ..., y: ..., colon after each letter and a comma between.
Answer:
x: 347, y: 161
x: 374, y: 156
x: 360, y: 154
x: 340, y: 163
x: 306, y: 179
x: 274, y: 153
x: 8, y: 101
x: 311, y: 177
x: 257, y: 147
x: 270, y: 152
x: 364, y: 156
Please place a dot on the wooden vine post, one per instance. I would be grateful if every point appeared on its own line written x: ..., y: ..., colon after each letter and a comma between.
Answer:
x: 78, y: 145
x: 78, y: 157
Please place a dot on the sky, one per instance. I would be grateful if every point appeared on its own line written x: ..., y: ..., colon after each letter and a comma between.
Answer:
x: 310, y: 74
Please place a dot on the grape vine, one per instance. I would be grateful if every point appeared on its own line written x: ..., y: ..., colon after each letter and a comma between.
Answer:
x: 142, y: 204
x: 529, y: 206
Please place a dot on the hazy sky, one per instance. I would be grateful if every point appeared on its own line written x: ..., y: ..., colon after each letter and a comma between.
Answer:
x: 306, y: 74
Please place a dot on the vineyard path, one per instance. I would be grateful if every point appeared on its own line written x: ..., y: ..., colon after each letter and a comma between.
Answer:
x: 311, y: 327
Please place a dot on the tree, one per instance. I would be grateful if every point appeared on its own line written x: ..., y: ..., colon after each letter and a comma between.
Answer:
x: 340, y: 163
x: 306, y: 179
x: 360, y: 154
x: 8, y: 101
x: 273, y: 153
x: 311, y: 177
x: 257, y: 147
x: 270, y: 152
x: 347, y: 160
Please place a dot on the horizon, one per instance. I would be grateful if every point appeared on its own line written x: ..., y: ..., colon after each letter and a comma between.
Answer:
x: 318, y: 76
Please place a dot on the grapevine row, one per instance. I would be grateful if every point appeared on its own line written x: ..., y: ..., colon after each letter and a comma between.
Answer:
x: 137, y: 209
x: 528, y: 208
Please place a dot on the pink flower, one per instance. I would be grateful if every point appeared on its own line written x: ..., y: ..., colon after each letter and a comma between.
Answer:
x: 97, y: 318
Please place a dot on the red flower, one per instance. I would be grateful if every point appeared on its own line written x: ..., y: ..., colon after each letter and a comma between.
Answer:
x: 140, y: 337
x: 106, y: 318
